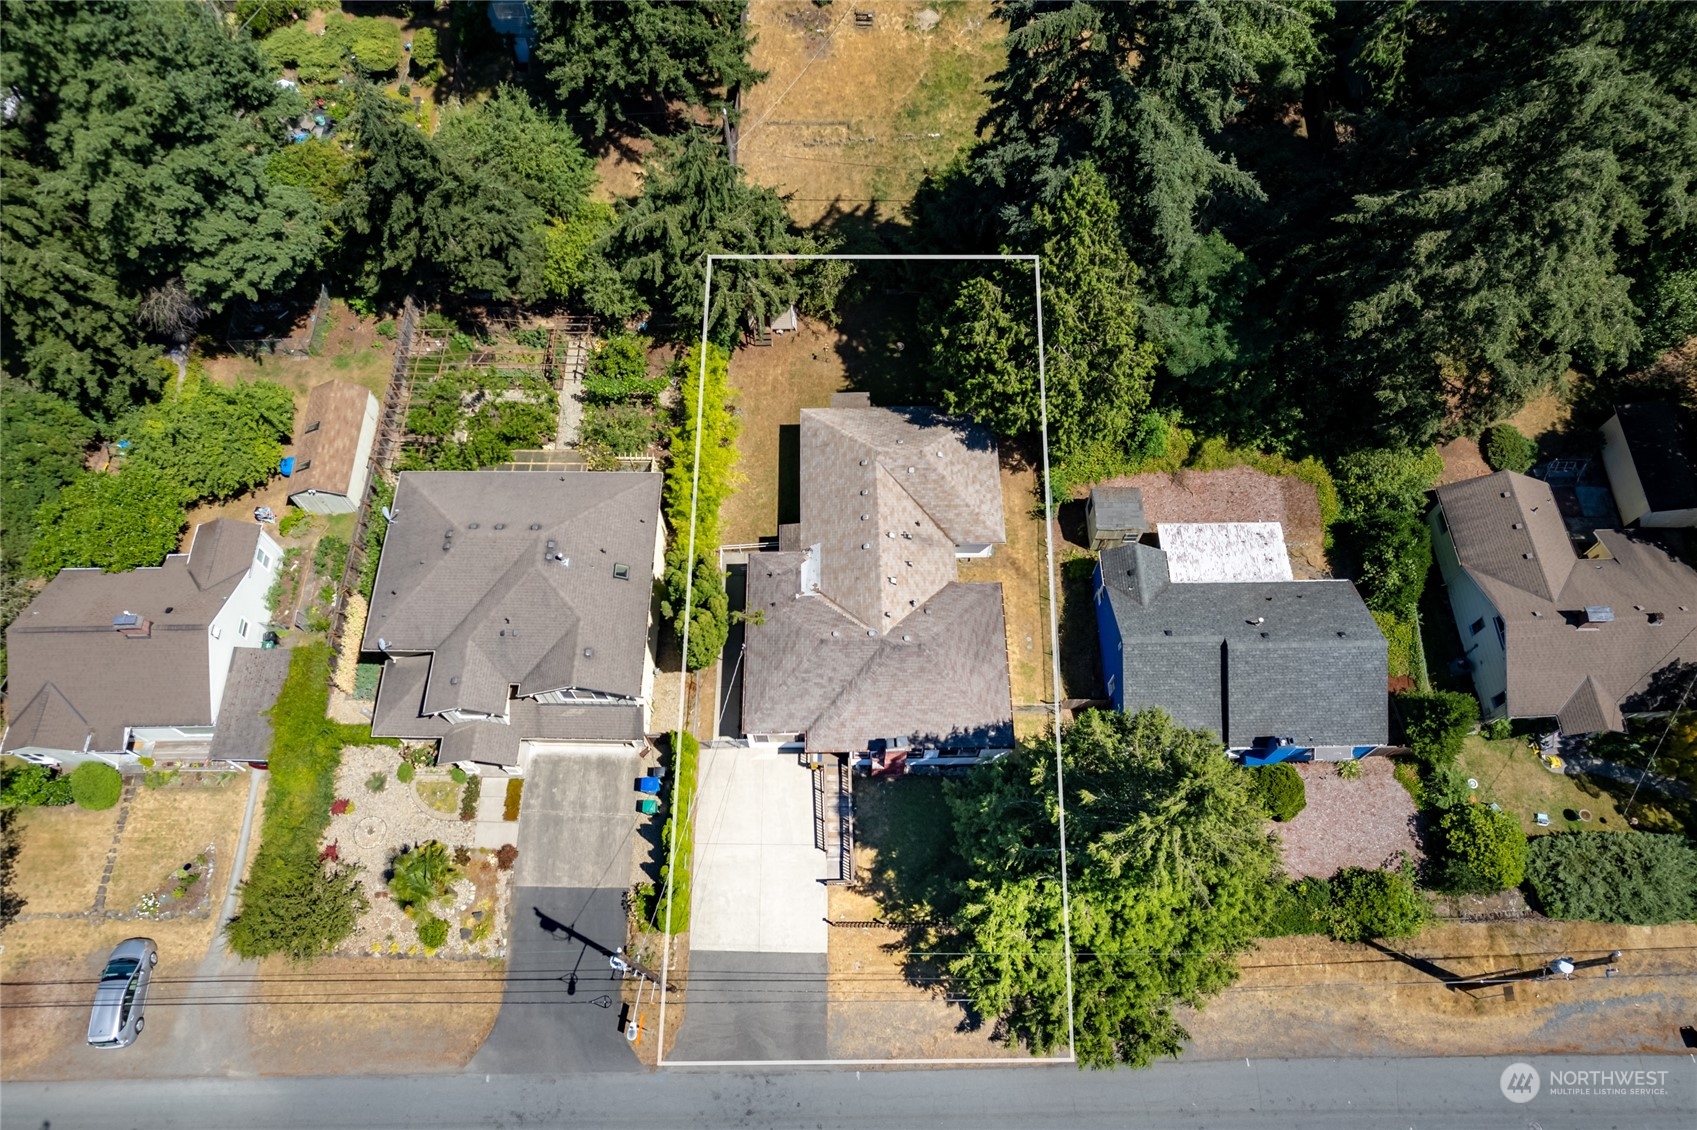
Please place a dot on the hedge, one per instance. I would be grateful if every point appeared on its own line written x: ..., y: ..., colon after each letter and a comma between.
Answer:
x: 677, y: 869
x: 1634, y: 878
x: 1485, y: 849
x: 96, y: 785
x: 1436, y: 723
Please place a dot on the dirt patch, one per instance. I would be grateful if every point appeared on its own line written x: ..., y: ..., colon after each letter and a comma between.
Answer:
x: 352, y: 350
x: 773, y: 384
x: 850, y: 119
x: 1369, y: 822
x: 1543, y: 416
x: 1462, y: 461
x: 1314, y: 997
x: 1239, y: 494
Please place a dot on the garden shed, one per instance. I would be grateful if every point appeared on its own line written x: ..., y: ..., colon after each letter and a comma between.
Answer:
x: 333, y: 438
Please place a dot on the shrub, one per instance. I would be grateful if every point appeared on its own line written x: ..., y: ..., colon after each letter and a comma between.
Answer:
x: 1376, y: 904
x: 462, y: 855
x: 377, y: 781
x: 297, y: 907
x: 677, y: 870
x: 1486, y: 850
x: 388, y: 329
x: 1505, y: 449
x: 1349, y: 770
x: 1392, y: 550
x: 619, y: 372
x: 292, y: 520
x: 1497, y: 729
x: 505, y: 856
x: 29, y: 786
x: 457, y: 774
x: 423, y: 875
x: 1633, y: 878
x: 330, y: 556
x: 515, y: 793
x: 1302, y: 907
x: 425, y: 53
x: 619, y: 429
x: 432, y: 932
x: 96, y: 785
x: 404, y: 772
x: 709, y: 611
x: 1436, y: 722
x: 1281, y: 790
x: 468, y: 798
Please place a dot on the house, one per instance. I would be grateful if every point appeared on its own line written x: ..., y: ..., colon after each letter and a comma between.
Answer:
x: 333, y: 438
x: 1548, y: 632
x: 1651, y: 460
x: 513, y: 612
x: 109, y: 664
x: 859, y: 636
x: 1279, y: 669
x: 1113, y: 516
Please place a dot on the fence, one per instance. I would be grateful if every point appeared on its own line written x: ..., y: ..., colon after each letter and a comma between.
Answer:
x: 391, y: 428
x: 319, y: 323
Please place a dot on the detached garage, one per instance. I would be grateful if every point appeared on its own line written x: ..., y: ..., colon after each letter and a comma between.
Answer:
x: 333, y: 438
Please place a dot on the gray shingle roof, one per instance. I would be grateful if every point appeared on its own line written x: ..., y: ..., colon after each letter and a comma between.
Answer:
x: 941, y: 677
x: 1300, y: 659
x: 244, y: 722
x: 490, y: 600
x: 1118, y: 508
x: 1550, y: 659
x: 888, y: 493
x: 74, y: 680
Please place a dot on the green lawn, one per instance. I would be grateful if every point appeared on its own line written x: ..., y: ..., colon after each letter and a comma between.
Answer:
x: 1510, y: 774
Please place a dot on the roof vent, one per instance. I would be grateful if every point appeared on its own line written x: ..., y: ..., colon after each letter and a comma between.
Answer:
x: 864, y: 492
x: 453, y: 680
x: 1505, y: 494
x: 907, y: 639
x: 866, y: 545
x: 446, y: 546
x: 500, y: 525
x: 1341, y: 635
x: 589, y: 653
x: 1516, y: 526
x: 1526, y: 556
x: 910, y: 470
x: 551, y: 545
x: 865, y: 517
x: 871, y: 632
x: 1166, y: 631
x: 835, y: 633
x: 1657, y: 619
x: 536, y: 525
x: 863, y: 462
x: 471, y: 525
x: 1256, y: 620
x: 448, y: 533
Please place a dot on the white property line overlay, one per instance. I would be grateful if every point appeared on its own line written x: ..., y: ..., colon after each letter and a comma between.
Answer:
x: 1054, y: 665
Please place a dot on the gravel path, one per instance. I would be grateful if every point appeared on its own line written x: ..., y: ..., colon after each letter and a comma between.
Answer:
x: 1368, y: 822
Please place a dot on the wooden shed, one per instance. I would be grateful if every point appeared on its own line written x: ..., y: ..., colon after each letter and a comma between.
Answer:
x: 1114, y: 516
x: 333, y: 438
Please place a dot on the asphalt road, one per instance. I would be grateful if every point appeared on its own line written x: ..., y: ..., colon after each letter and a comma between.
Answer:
x: 1407, y: 1094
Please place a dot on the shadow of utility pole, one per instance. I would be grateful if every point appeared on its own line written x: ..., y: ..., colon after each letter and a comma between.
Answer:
x: 1495, y: 978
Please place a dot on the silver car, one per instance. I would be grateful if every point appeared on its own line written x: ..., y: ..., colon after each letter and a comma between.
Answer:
x: 118, y: 1003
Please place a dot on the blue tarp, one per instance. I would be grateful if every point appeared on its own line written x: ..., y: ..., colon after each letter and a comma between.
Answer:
x: 286, y: 467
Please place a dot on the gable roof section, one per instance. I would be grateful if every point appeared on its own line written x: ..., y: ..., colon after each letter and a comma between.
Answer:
x: 1301, y: 659
x: 327, y: 437
x: 1507, y: 529
x: 468, y: 573
x: 1551, y: 658
x: 81, y: 682
x: 813, y: 668
x: 1658, y: 436
x: 888, y: 494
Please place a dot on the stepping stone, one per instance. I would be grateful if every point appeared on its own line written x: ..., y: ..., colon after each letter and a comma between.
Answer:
x: 465, y: 934
x: 477, y: 916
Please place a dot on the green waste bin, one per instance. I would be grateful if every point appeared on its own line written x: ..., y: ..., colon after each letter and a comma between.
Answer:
x: 648, y: 806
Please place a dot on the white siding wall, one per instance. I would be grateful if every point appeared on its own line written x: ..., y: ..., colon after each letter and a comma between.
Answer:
x: 1469, y: 604
x: 1629, y: 494
x: 246, y: 604
x: 362, y: 453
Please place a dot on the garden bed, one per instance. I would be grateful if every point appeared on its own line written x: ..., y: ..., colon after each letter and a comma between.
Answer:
x: 185, y: 892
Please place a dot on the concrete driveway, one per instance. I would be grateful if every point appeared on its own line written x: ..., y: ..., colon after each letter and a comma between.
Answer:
x: 577, y: 832
x: 756, y: 986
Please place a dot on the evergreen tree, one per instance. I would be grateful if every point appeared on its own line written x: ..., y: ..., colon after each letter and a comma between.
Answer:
x: 610, y: 63
x: 43, y: 441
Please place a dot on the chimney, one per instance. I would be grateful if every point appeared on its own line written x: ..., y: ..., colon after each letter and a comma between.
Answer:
x: 131, y: 626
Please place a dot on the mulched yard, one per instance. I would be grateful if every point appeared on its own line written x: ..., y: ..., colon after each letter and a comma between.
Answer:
x: 1238, y: 494
x: 1369, y: 822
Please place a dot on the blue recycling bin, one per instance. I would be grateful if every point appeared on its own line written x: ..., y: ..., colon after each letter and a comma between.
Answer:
x: 648, y: 784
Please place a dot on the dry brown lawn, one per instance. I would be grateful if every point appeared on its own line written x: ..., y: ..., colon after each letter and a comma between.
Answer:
x: 352, y: 351
x: 1367, y: 822
x: 1021, y: 567
x: 874, y: 1009
x: 170, y: 826
x: 1314, y: 997
x: 1543, y: 415
x: 64, y: 851
x: 1462, y: 461
x: 773, y: 384
x: 850, y: 120
x: 372, y: 1016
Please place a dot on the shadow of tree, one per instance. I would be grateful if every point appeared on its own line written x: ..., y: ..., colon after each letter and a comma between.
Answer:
x: 1081, y: 655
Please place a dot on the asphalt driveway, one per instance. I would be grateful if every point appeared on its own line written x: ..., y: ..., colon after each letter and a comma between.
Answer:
x: 577, y: 831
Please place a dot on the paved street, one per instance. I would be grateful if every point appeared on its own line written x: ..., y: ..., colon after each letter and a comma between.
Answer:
x: 560, y: 1005
x: 1423, y: 1094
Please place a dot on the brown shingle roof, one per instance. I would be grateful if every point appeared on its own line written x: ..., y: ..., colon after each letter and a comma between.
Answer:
x: 888, y: 493
x: 327, y: 437
x: 1541, y: 587
x: 77, y: 680
x: 811, y: 667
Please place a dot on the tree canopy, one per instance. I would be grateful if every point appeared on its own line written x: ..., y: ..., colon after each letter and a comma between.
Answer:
x: 44, y: 441
x: 215, y: 441
x: 112, y: 522
x: 610, y: 63
x: 134, y: 159
x: 1169, y: 865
